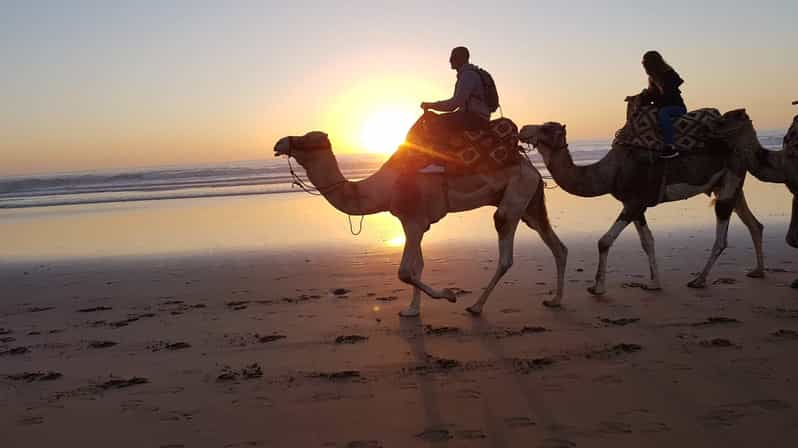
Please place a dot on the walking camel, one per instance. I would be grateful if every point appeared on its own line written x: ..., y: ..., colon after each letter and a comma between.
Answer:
x: 629, y: 175
x: 773, y: 166
x: 419, y: 200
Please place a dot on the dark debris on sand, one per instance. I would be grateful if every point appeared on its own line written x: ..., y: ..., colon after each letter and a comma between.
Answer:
x: 786, y: 334
x: 101, y: 344
x: 529, y: 365
x: 7, y: 339
x: 269, y: 338
x: 15, y: 351
x: 620, y: 322
x: 30, y: 377
x: 437, y: 331
x: 171, y: 346
x: 350, y: 339
x: 39, y: 309
x: 525, y: 330
x: 5, y: 331
x: 118, y: 383
x: 248, y: 372
x: 94, y: 309
x: 130, y: 319
x: 340, y: 291
x: 717, y: 342
x: 338, y: 376
x: 614, y: 351
x: 716, y: 321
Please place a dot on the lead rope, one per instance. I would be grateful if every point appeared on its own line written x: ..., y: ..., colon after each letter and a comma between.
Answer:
x: 545, y: 178
x: 313, y: 191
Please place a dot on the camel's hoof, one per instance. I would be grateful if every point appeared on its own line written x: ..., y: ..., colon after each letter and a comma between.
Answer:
x: 697, y: 284
x: 449, y: 295
x: 474, y: 311
x: 794, y: 284
x: 552, y: 304
x: 756, y: 273
x: 410, y: 312
x: 595, y: 291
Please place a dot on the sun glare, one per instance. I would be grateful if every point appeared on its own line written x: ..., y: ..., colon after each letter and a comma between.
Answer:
x: 383, y: 131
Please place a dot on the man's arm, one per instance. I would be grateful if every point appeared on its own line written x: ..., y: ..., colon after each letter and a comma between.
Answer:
x: 465, y: 85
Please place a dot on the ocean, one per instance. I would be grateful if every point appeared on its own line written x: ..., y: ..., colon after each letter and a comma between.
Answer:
x: 259, y: 177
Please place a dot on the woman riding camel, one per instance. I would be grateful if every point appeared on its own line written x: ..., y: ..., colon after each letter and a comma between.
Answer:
x: 663, y: 91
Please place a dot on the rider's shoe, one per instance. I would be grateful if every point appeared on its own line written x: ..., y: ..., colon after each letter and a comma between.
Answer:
x: 668, y: 152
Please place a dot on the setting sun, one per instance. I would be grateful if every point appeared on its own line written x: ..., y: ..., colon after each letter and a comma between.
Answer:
x: 383, y: 131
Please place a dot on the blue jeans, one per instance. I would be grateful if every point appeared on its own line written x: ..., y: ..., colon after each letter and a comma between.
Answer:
x: 666, y: 116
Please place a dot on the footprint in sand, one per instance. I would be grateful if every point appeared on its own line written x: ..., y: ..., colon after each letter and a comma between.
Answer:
x: 101, y: 344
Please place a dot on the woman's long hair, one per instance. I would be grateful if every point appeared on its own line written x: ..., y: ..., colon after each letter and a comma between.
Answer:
x: 655, y: 67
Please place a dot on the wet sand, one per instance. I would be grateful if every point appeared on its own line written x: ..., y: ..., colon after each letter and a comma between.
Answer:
x: 304, y: 348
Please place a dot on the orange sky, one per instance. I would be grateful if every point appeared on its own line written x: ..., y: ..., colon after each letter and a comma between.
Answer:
x: 115, y: 87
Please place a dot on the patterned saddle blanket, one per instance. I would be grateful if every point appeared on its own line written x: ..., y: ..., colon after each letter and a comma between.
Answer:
x: 468, y: 152
x: 791, y: 139
x: 642, y: 130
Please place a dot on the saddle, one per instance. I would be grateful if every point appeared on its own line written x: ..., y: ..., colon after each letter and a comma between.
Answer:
x: 468, y: 152
x: 791, y: 139
x: 641, y: 130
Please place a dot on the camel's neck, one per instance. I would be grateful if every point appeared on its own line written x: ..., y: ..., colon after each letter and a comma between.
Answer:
x: 765, y: 165
x: 366, y: 197
x: 588, y: 181
x: 769, y: 167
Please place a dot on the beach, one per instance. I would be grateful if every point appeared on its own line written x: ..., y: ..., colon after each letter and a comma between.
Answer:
x: 261, y: 321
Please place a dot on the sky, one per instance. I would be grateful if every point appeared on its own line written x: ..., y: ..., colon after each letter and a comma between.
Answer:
x: 88, y: 85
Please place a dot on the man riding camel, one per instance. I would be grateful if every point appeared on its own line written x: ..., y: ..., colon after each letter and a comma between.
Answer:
x: 468, y: 109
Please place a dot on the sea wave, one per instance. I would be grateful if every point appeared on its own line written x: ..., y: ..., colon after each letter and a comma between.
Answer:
x: 230, y: 179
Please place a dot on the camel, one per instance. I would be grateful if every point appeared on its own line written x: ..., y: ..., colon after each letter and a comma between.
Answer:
x: 419, y: 200
x: 770, y: 166
x: 626, y: 174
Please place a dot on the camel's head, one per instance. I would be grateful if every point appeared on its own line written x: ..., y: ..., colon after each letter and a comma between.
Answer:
x: 737, y: 130
x: 551, y: 135
x: 303, y: 147
x: 733, y: 122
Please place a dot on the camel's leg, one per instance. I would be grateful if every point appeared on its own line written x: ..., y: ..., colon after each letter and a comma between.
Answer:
x: 647, y: 240
x: 604, y: 245
x: 755, y: 227
x: 505, y: 227
x: 411, y: 267
x: 537, y: 218
x: 723, y: 210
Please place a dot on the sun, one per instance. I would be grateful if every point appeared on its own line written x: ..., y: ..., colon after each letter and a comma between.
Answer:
x: 384, y: 130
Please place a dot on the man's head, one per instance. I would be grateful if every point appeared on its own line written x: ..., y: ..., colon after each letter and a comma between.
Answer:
x: 459, y: 57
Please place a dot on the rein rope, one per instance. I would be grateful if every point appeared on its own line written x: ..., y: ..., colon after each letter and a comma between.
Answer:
x: 313, y: 191
x: 545, y: 178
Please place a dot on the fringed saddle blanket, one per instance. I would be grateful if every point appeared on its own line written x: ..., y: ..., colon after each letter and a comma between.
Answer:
x: 791, y: 139
x: 469, y: 152
x: 642, y: 130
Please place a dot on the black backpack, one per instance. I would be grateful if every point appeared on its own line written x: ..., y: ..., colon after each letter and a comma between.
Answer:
x: 489, y: 86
